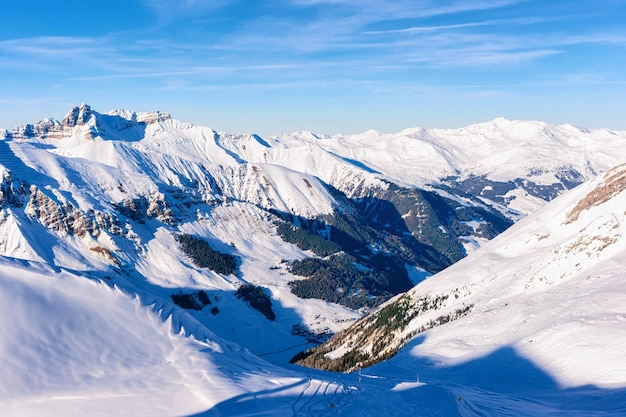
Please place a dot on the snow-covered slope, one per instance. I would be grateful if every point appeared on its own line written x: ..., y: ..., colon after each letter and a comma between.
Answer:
x: 549, y: 344
x: 550, y: 289
x: 536, y: 159
x: 94, y: 209
x: 111, y: 191
x: 519, y: 163
x: 71, y: 345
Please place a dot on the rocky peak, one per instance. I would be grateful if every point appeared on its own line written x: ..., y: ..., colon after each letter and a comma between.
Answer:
x: 77, y: 116
x: 44, y: 128
x: 153, y: 117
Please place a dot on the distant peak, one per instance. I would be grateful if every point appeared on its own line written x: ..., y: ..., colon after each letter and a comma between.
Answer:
x: 500, y: 122
x: 82, y: 114
x: 306, y: 134
x: 77, y: 116
x: 141, y: 117
x: 372, y: 132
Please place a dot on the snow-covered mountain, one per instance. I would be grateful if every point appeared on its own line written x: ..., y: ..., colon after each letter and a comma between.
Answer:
x: 550, y: 288
x: 114, y: 191
x: 268, y: 243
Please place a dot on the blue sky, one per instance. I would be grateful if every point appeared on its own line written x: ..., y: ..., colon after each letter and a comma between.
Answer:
x: 328, y: 66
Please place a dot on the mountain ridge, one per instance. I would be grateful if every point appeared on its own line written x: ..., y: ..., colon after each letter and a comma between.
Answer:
x: 507, y: 284
x: 317, y: 230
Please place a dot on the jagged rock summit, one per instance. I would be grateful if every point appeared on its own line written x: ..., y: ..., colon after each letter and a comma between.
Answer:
x: 91, y: 124
x: 77, y: 116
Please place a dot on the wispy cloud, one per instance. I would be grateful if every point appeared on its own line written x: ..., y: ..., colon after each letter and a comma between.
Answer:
x: 56, y: 46
x: 482, y: 58
x: 404, y: 9
x: 205, y: 70
x: 365, y: 39
x: 168, y: 10
x: 493, y: 22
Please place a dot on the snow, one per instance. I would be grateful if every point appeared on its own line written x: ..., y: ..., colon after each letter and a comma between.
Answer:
x: 241, y: 229
x: 519, y: 200
x: 81, y: 336
x: 73, y: 346
x: 405, y: 386
x: 416, y: 274
x: 549, y: 290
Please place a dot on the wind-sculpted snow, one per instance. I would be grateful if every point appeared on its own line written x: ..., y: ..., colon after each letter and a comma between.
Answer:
x: 74, y: 346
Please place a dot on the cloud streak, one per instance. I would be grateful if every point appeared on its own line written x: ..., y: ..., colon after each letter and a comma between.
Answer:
x: 341, y: 37
x: 342, y: 47
x: 168, y: 10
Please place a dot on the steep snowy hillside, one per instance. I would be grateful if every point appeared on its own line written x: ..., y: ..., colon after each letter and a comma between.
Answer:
x: 117, y: 192
x: 549, y: 290
x: 297, y: 235
x: 137, y: 252
x: 71, y: 345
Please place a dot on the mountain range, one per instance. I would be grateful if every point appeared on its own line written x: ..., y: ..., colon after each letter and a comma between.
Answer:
x: 128, y: 239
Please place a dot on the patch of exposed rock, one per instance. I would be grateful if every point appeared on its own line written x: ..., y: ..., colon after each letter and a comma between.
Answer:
x: 77, y: 116
x: 66, y: 218
x: 153, y: 206
x: 613, y: 184
x: 88, y: 121
x: 12, y: 192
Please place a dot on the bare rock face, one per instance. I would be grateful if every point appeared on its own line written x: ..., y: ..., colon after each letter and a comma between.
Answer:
x: 613, y: 184
x: 53, y: 129
x: 12, y: 192
x: 89, y: 122
x: 153, y: 117
x: 153, y: 206
x: 77, y: 116
x: 157, y: 207
x: 47, y: 211
x: 68, y: 219
x: 47, y: 128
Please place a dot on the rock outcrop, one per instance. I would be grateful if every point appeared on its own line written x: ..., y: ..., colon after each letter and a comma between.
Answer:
x: 66, y: 218
x: 77, y: 116
x: 12, y: 192
x: 614, y: 183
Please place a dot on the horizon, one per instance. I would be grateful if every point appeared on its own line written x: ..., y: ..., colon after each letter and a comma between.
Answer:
x: 325, y: 66
x: 172, y: 116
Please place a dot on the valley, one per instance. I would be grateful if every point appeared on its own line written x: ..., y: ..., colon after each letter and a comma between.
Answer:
x: 171, y: 261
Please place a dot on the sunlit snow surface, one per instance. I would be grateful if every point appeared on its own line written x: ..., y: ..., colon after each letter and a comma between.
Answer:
x: 71, y: 345
x: 547, y: 336
x: 549, y: 288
